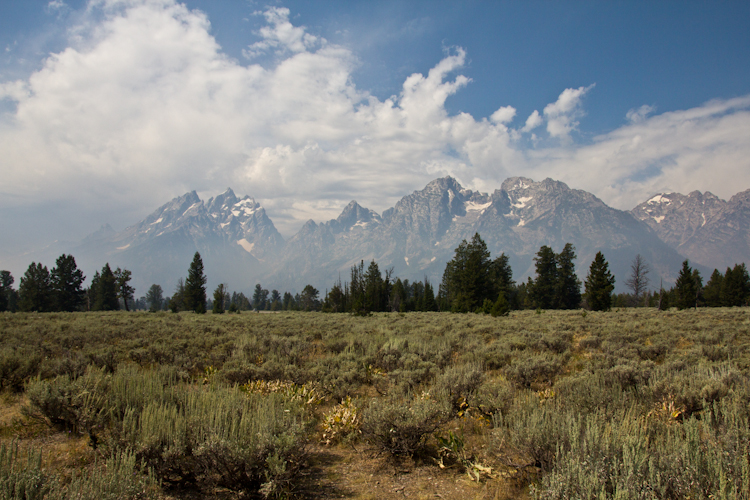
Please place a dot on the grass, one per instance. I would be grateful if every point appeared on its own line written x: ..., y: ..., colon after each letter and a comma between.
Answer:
x: 526, y: 403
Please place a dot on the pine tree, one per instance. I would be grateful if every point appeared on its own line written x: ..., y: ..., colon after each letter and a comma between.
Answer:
x: 467, y: 279
x: 568, y: 284
x: 735, y: 287
x: 6, y: 291
x: 543, y: 291
x: 309, y: 299
x: 429, y: 297
x: 105, y: 291
x: 177, y: 302
x: 219, y: 298
x: 685, y: 287
x: 124, y: 291
x: 35, y: 290
x: 599, y: 284
x: 66, y: 281
x: 712, y: 290
x: 195, y: 286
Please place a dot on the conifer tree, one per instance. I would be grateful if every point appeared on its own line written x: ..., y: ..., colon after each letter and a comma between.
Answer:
x: 429, y: 297
x: 35, y: 291
x: 467, y: 277
x: 543, y: 291
x: 712, y: 290
x: 105, y: 291
x: 124, y: 291
x: 195, y: 286
x: 66, y: 282
x: 599, y: 284
x: 685, y: 288
x: 219, y: 299
x: 7, y: 302
x: 568, y: 284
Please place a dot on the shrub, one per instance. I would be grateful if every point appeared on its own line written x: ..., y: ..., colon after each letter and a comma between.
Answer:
x: 220, y: 436
x: 400, y: 426
x: 342, y: 422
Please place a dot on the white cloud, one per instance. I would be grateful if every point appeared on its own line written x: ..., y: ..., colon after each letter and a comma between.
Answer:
x: 503, y: 115
x: 562, y: 114
x: 144, y: 106
x: 640, y: 114
x: 281, y: 35
x: 533, y: 121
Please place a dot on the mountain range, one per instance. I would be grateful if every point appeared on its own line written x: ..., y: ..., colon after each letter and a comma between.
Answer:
x: 240, y: 245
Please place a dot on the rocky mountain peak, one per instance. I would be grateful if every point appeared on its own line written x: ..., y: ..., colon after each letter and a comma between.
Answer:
x: 354, y: 215
x: 516, y: 184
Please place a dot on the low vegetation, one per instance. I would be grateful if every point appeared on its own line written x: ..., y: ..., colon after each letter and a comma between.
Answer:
x: 631, y: 403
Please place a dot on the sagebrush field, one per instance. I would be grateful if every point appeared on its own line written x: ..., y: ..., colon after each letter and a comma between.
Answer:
x: 634, y: 403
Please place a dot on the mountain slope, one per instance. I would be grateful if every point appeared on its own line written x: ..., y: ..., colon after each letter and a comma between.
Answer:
x: 420, y: 233
x: 706, y: 229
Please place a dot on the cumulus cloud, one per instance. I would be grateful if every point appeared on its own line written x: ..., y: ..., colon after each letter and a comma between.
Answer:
x: 562, y: 114
x: 281, y: 35
x: 533, y: 121
x: 503, y: 115
x: 143, y: 106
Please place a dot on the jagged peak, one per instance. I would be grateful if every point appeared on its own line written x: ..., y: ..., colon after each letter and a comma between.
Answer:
x: 516, y: 183
x: 446, y: 183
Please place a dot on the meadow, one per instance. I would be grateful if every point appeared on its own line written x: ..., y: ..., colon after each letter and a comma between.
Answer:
x: 631, y: 403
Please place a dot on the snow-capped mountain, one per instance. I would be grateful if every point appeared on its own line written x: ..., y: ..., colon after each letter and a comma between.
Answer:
x: 701, y: 226
x: 415, y: 238
x: 420, y: 233
x: 233, y: 236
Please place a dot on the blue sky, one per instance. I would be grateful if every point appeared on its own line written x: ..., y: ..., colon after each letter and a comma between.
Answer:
x: 110, y: 108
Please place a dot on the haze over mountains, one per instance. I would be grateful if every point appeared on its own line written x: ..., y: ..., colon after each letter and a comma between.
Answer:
x: 240, y: 245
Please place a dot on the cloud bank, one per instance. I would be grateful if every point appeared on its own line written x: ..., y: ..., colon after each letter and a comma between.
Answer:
x: 143, y: 105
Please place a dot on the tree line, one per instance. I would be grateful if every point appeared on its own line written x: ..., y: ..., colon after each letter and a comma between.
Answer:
x: 472, y: 282
x: 61, y: 289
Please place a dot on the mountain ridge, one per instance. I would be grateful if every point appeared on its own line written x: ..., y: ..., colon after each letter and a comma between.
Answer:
x: 241, y: 246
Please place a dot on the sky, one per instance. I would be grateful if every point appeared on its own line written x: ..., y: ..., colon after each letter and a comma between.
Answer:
x: 110, y: 108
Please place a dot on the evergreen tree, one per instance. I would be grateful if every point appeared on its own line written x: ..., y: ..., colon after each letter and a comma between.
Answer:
x: 275, y: 300
x: 685, y: 288
x: 219, y: 299
x: 735, y: 287
x: 66, y: 281
x: 544, y: 289
x: 712, y: 290
x: 501, y: 277
x: 336, y: 300
x: 154, y: 298
x: 357, y: 289
x: 398, y: 296
x: 177, y: 302
x: 35, y: 289
x: 568, y: 284
x: 599, y: 284
x: 195, y: 286
x: 309, y: 299
x: 289, y: 304
x: 429, y: 297
x: 7, y: 302
x: 104, y: 291
x: 467, y: 277
x: 259, y: 298
x: 124, y: 291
